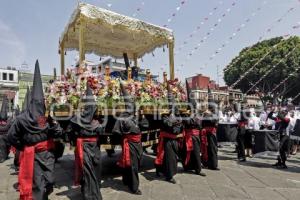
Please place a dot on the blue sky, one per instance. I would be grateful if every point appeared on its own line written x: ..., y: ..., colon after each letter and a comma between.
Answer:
x: 29, y: 29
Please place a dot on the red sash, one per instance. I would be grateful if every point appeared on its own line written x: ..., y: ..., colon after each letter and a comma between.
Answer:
x: 13, y: 150
x: 27, y: 167
x: 79, y: 157
x: 242, y: 124
x: 160, y: 148
x: 286, y: 119
x: 188, y: 133
x: 3, y: 123
x: 204, y: 143
x: 125, y: 160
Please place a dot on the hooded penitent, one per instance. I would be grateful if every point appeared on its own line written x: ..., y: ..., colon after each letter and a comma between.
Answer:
x: 191, y: 135
x: 4, y: 109
x: 127, y: 123
x: 85, y: 118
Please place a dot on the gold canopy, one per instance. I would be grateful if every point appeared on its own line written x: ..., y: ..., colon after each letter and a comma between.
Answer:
x: 96, y: 30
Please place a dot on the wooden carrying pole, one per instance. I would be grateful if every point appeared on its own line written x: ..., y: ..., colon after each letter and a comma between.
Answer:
x: 171, y: 60
x: 81, y: 41
x: 62, y: 58
x: 135, y: 60
x: 126, y: 60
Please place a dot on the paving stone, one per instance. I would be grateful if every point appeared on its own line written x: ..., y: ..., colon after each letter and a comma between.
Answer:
x: 291, y: 194
x: 255, y: 179
x: 264, y: 194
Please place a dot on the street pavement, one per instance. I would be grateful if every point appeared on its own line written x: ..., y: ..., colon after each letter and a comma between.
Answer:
x: 254, y: 179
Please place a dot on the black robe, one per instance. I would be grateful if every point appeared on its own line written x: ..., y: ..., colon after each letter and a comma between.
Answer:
x: 281, y: 125
x: 195, y: 158
x: 21, y: 135
x: 171, y: 125
x: 86, y: 130
x: 127, y: 125
x: 4, y: 144
x: 241, y: 136
x: 90, y: 180
x: 212, y: 146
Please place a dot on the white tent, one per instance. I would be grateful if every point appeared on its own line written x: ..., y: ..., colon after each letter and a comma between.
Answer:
x: 95, y: 30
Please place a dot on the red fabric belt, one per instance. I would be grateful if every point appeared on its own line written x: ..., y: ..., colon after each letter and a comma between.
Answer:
x: 242, y: 124
x: 125, y: 160
x: 204, y: 143
x: 79, y: 157
x: 277, y: 120
x: 188, y: 133
x: 13, y: 150
x: 27, y: 167
x: 160, y: 148
x: 3, y: 123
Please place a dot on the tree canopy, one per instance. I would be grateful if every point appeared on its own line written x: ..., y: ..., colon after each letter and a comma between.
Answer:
x: 265, y: 55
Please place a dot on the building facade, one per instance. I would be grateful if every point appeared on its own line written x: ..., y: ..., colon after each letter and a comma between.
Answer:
x: 223, y: 96
x: 26, y: 79
x: 9, y: 84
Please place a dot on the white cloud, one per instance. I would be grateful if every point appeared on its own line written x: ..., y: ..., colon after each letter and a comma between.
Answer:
x: 12, y: 49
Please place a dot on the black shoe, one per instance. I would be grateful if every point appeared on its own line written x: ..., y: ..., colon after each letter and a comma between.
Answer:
x: 283, y: 166
x: 157, y: 173
x: 242, y: 159
x: 276, y: 164
x: 138, y: 192
x: 16, y: 169
x: 172, y: 180
x: 216, y: 169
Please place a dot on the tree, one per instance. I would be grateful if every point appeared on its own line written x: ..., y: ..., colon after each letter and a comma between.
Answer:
x: 274, y: 50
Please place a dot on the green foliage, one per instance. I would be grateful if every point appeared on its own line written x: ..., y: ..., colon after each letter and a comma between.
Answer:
x: 249, y: 56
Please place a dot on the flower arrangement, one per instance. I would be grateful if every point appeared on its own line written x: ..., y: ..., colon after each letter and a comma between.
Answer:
x: 71, y: 88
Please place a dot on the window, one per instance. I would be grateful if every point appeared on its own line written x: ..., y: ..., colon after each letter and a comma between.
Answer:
x: 4, y: 76
x: 11, y: 77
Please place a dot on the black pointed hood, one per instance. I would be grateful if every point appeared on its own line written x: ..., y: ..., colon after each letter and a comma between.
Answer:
x: 171, y: 100
x: 211, y: 103
x: 4, y: 109
x: 85, y: 118
x: 33, y: 119
x: 37, y: 106
x: 26, y: 101
x: 210, y: 97
x: 128, y: 99
x: 189, y: 97
x: 17, y: 111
